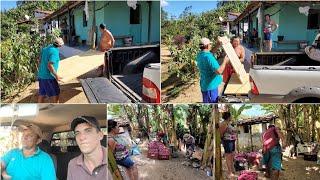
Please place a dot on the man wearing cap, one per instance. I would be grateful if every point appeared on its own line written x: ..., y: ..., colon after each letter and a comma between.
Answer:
x: 92, y: 163
x: 210, y: 72
x: 47, y: 74
x: 30, y: 162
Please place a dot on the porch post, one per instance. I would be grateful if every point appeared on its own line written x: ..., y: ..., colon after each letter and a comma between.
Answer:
x: 58, y: 22
x: 69, y: 14
x: 94, y: 26
x: 149, y: 22
x: 251, y: 137
x: 262, y: 25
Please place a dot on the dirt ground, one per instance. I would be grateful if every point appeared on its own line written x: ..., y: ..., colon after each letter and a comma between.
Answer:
x: 294, y: 169
x: 71, y: 92
x: 182, y: 93
x: 300, y: 169
x: 173, y: 169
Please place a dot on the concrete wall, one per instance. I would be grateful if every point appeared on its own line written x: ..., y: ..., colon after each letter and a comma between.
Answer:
x: 116, y: 15
x: 292, y: 24
x: 244, y: 138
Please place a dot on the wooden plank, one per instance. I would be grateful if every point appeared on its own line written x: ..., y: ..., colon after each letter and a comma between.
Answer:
x: 101, y: 90
x: 75, y: 66
x: 234, y: 86
x: 234, y: 59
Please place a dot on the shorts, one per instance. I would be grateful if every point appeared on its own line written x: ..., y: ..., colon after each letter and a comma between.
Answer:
x: 126, y: 162
x: 190, y: 145
x: 267, y: 36
x: 48, y: 87
x: 273, y: 157
x: 210, y: 96
x: 229, y: 146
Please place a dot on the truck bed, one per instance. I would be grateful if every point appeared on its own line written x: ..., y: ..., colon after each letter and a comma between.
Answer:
x: 133, y: 81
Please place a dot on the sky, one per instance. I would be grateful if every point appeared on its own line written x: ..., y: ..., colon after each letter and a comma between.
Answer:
x: 256, y: 110
x: 7, y: 5
x: 175, y: 8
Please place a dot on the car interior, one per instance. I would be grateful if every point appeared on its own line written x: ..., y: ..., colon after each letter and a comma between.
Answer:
x: 54, y: 120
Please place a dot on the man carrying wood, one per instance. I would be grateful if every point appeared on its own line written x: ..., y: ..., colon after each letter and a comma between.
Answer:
x: 106, y: 43
x: 239, y: 49
x: 210, y: 72
x: 47, y: 74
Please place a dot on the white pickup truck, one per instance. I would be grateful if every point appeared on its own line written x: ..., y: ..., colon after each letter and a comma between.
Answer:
x: 287, y: 78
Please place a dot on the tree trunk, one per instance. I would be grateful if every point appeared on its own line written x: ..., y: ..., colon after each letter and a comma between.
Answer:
x: 217, y: 148
x: 207, y: 153
x: 130, y: 115
x: 313, y: 122
x: 173, y: 135
x: 112, y: 165
x: 147, y: 120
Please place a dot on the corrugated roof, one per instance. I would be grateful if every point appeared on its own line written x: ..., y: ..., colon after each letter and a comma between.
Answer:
x: 63, y: 9
x: 257, y: 120
x: 42, y: 11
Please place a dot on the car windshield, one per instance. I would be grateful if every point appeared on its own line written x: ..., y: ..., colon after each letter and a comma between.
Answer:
x: 9, y: 138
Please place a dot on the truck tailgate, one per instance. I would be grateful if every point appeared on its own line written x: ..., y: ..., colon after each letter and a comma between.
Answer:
x: 280, y: 80
x: 101, y: 90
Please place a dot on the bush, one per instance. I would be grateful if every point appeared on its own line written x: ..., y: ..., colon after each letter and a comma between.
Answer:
x: 19, y: 54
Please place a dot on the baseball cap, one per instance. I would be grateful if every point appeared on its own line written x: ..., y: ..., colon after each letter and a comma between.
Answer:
x: 34, y: 128
x: 58, y: 41
x: 205, y: 41
x: 85, y: 119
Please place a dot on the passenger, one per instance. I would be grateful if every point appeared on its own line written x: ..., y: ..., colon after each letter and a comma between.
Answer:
x: 92, y: 162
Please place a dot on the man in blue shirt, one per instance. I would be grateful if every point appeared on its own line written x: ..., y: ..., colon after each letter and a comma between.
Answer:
x: 29, y: 162
x: 47, y: 75
x: 210, y: 72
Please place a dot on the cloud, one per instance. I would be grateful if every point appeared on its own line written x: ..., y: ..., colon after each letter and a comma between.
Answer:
x: 164, y: 3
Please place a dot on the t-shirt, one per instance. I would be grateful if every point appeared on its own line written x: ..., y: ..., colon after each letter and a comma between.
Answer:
x: 208, y: 64
x: 48, y: 54
x: 38, y: 166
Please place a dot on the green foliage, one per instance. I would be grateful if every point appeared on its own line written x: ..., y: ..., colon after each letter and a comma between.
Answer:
x: 19, y: 55
x: 237, y: 112
x: 19, y: 48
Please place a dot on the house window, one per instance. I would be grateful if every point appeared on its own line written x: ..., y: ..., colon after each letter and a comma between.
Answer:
x: 135, y: 15
x: 85, y: 22
x: 314, y: 19
x: 246, y: 129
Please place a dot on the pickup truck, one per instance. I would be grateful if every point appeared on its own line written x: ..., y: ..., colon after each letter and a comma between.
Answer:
x: 284, y: 77
x: 132, y: 75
